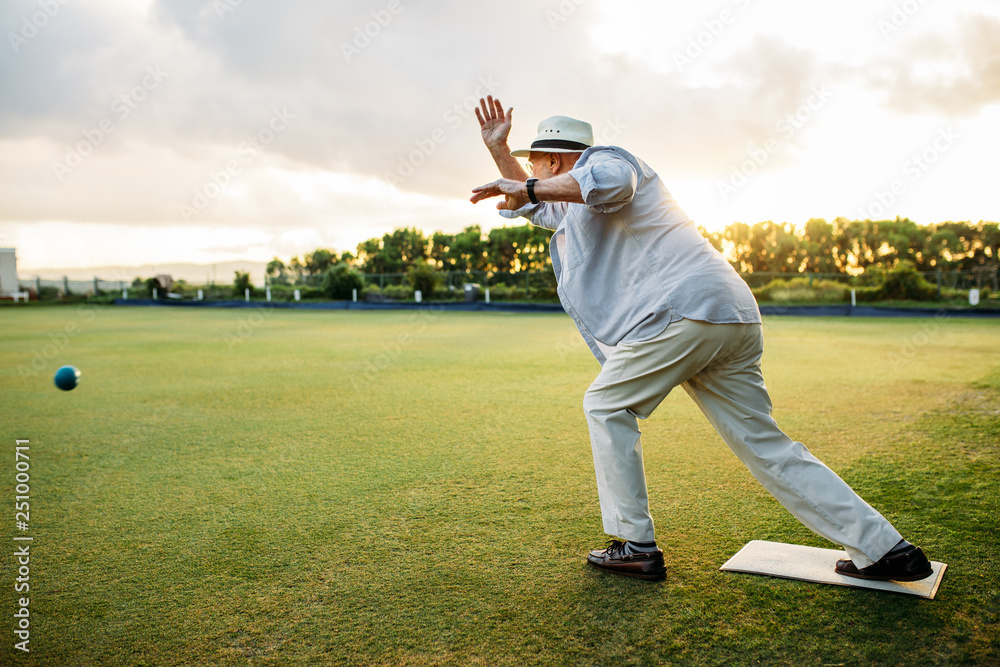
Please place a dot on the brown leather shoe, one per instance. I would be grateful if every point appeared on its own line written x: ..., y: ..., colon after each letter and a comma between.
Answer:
x: 910, y: 564
x: 617, y: 557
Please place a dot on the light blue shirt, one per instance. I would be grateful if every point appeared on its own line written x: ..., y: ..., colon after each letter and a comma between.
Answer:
x: 629, y: 261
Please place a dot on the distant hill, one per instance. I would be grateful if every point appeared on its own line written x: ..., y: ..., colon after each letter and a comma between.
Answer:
x: 221, y: 272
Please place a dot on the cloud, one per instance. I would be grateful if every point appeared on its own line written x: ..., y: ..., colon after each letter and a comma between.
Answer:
x: 381, y: 89
x: 952, y: 75
x: 227, y: 68
x: 702, y: 128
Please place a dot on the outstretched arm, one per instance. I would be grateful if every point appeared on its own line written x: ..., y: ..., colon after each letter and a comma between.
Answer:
x: 495, y: 126
x: 562, y: 188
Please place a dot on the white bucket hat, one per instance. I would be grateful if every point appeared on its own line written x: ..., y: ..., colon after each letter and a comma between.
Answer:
x: 560, y: 134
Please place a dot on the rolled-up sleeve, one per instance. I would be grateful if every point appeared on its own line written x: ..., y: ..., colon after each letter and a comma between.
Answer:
x: 607, y: 182
x: 547, y: 215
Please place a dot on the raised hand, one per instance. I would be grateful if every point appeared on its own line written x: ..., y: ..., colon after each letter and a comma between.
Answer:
x: 493, y: 122
x: 495, y: 126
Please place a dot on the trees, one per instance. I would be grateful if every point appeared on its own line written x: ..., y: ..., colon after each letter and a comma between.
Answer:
x: 277, y: 272
x: 464, y: 251
x: 515, y: 249
x: 370, y: 256
x: 424, y: 277
x: 241, y: 283
x: 840, y: 246
x: 311, y: 271
x: 504, y: 249
x: 340, y: 280
x: 394, y: 252
x: 318, y: 261
x: 297, y: 270
x: 467, y: 251
x: 903, y: 281
x: 853, y: 246
x: 763, y: 247
x: 818, y: 247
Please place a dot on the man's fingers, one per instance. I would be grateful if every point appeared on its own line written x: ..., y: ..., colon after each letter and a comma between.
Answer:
x: 491, y: 186
x: 484, y: 192
x: 478, y: 197
x: 489, y: 107
x: 490, y: 110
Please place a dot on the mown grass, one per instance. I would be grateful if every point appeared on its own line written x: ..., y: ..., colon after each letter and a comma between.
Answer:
x: 234, y: 487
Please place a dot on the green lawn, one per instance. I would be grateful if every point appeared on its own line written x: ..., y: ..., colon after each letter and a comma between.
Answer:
x: 243, y: 487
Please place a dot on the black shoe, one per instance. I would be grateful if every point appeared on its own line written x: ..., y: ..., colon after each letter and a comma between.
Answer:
x: 909, y: 564
x: 617, y: 557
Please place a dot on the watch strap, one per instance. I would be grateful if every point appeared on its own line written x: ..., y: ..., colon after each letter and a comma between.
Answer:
x: 531, y: 190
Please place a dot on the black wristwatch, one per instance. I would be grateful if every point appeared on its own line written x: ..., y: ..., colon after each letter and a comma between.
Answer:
x: 531, y: 190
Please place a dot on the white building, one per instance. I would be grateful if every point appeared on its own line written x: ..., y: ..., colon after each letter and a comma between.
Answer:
x: 8, y: 271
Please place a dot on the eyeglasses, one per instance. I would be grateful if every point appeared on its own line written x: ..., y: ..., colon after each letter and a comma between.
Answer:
x: 531, y: 167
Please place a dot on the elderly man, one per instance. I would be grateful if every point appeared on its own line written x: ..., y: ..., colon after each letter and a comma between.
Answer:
x: 660, y: 307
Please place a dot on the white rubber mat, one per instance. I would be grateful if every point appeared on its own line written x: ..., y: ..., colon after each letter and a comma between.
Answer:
x: 793, y: 561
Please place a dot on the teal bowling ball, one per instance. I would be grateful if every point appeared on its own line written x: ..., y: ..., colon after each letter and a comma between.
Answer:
x: 67, y: 377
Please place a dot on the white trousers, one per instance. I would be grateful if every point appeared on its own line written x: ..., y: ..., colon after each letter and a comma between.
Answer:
x: 719, y: 367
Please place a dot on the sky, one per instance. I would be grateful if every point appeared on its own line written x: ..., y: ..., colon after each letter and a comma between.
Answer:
x: 148, y: 132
